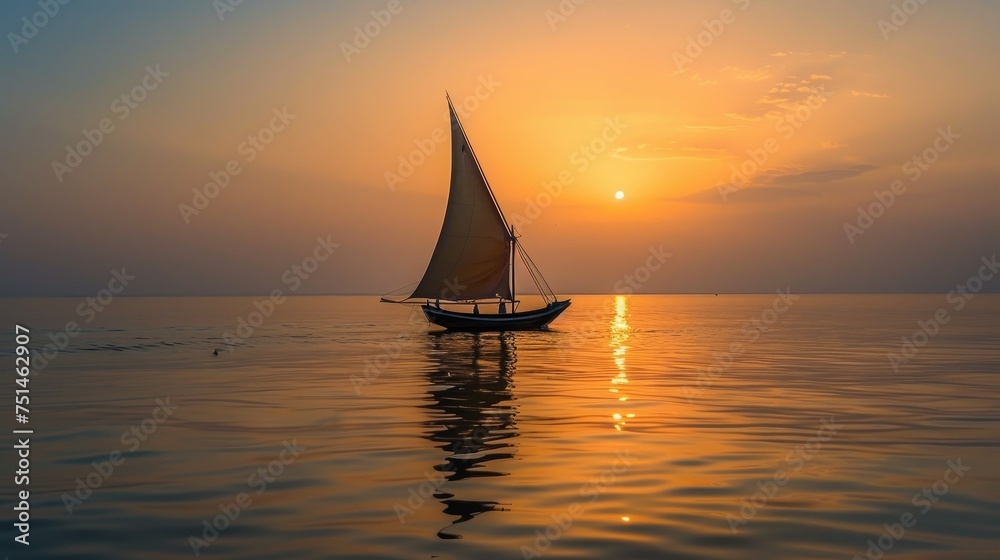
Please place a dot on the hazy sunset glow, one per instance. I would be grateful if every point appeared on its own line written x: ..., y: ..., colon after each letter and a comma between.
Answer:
x: 206, y: 147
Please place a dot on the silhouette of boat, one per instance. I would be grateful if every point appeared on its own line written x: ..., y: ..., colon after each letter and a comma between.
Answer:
x: 475, y: 259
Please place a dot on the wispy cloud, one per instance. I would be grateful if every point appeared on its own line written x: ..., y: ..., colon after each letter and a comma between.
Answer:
x: 871, y: 95
x: 649, y: 152
x: 819, y: 54
x: 748, y: 74
x: 712, y: 127
x: 816, y: 176
x: 779, y: 184
x: 745, y: 117
x: 751, y: 195
x: 786, y: 95
x: 696, y: 78
x: 702, y: 80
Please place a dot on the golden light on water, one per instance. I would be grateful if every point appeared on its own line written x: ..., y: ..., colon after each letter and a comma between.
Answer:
x: 620, y: 331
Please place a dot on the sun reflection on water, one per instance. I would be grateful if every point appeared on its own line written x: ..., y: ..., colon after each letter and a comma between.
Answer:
x: 620, y: 331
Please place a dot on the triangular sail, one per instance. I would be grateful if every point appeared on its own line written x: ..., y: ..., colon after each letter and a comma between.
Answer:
x: 472, y: 257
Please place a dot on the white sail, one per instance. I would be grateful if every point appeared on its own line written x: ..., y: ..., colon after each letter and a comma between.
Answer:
x: 472, y: 257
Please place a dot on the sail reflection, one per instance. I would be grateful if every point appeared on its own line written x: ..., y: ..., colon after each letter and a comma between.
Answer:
x: 472, y: 413
x: 620, y: 332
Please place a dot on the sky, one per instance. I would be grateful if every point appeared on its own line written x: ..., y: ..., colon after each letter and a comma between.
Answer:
x: 207, y: 147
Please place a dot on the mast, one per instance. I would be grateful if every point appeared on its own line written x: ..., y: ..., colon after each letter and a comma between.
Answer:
x: 513, y: 267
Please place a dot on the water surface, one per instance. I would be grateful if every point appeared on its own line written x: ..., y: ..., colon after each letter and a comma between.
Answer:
x: 637, y: 427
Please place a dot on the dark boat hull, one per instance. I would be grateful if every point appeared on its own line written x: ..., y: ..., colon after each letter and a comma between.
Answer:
x: 523, y: 321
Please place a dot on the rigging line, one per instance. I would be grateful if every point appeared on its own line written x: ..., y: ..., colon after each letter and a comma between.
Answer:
x: 532, y: 270
x: 541, y: 276
x: 527, y: 259
x: 544, y: 283
x: 405, y: 288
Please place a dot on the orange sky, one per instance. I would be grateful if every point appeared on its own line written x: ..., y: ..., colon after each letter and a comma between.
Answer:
x: 609, y: 97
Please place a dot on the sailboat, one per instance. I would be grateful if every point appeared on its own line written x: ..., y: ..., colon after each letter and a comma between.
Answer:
x: 475, y: 258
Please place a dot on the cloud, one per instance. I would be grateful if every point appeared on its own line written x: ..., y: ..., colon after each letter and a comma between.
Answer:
x: 749, y: 195
x: 816, y: 176
x: 830, y: 55
x: 745, y: 117
x: 786, y: 95
x: 779, y: 184
x: 869, y: 94
x: 698, y: 79
x: 748, y: 74
x: 702, y: 80
x: 649, y: 152
x: 712, y: 127
x: 834, y: 145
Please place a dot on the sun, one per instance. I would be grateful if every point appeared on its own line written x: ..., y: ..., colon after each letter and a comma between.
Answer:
x: 620, y: 195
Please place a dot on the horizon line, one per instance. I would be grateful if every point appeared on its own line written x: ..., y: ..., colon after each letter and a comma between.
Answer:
x: 568, y: 294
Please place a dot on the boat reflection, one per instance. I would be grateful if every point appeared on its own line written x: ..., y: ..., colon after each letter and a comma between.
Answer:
x: 472, y: 413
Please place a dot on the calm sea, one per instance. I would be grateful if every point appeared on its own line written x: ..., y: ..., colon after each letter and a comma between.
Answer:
x: 637, y: 427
